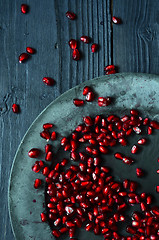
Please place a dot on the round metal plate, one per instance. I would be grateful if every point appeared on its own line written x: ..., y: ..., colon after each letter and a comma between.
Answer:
x: 129, y: 90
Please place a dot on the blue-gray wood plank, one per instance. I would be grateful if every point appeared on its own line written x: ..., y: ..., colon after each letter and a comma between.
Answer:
x: 132, y: 46
x: 47, y: 29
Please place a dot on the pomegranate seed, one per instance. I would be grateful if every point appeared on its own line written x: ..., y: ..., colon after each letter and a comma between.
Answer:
x: 103, y: 102
x: 47, y: 126
x: 154, y: 124
x: 78, y: 103
x: 134, y: 112
x: 139, y: 172
x: 90, y: 97
x: 85, y: 39
x: 45, y: 135
x: 73, y: 43
x: 71, y: 15
x: 37, y: 183
x: 158, y: 171
x: 15, y: 108
x: 30, y: 50
x: 63, y: 230
x: 48, y: 81
x: 110, y: 72
x: 119, y: 156
x: 24, y: 8
x: 157, y: 189
x: 86, y: 90
x: 133, y: 186
x: 131, y: 230
x: 142, y: 141
x: 48, y: 148
x: 122, y: 141
x: 134, y: 149
x: 56, y: 233
x: 34, y: 153
x: 49, y: 156
x: 116, y: 20
x: 109, y: 68
x: 46, y: 171
x: 88, y: 121
x: 137, y: 130
x: 76, y: 55
x: 43, y: 217
x: 103, y: 150
x: 23, y: 57
x: 149, y: 130
x: 94, y: 47
x: 143, y: 206
x: 53, y: 136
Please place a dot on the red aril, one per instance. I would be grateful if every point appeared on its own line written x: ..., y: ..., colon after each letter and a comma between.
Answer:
x: 78, y: 102
x: 76, y: 55
x: 30, y: 50
x: 134, y: 149
x: 43, y: 217
x: 73, y: 43
x: 34, y: 153
x: 109, y: 68
x: 110, y: 72
x: 23, y: 57
x: 24, y: 8
x: 103, y: 102
x: 116, y: 20
x: 48, y: 81
x: 37, y: 183
x: 47, y: 126
x: 15, y: 108
x: 139, y: 172
x: 154, y: 124
x: 142, y: 141
x: 53, y: 136
x: 85, y: 39
x: 90, y: 97
x: 94, y: 47
x: 71, y: 15
x: 45, y: 134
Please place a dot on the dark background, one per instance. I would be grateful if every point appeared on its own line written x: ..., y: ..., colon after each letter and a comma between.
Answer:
x: 133, y: 46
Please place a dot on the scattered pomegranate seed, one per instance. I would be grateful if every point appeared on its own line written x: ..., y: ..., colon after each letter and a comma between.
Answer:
x: 53, y: 136
x: 85, y: 39
x: 24, y: 8
x: 23, y: 57
x: 116, y: 20
x: 86, y: 90
x: 154, y: 124
x: 134, y: 149
x: 34, y: 153
x: 71, y: 15
x: 43, y: 217
x: 157, y: 189
x: 110, y: 72
x: 56, y: 233
x: 15, y: 108
x: 90, y: 97
x: 49, y: 156
x: 78, y: 102
x: 37, y: 183
x: 45, y: 135
x: 158, y: 171
x: 149, y: 130
x: 48, y: 81
x: 139, y: 172
x: 109, y: 68
x: 30, y: 50
x: 76, y: 55
x: 94, y: 47
x: 73, y: 43
x: 142, y: 141
x: 103, y: 102
x: 47, y: 126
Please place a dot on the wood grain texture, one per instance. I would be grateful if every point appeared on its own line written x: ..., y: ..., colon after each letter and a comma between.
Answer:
x: 47, y: 29
x: 136, y: 41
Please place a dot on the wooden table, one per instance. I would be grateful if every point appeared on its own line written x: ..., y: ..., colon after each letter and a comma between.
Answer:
x: 132, y: 46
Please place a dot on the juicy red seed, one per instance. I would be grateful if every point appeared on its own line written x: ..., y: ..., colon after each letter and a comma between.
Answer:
x: 131, y: 230
x: 76, y: 55
x: 134, y: 112
x: 109, y: 68
x: 64, y: 141
x: 30, y: 50
x: 47, y: 126
x: 126, y: 184
x: 56, y: 233
x: 94, y: 47
x: 133, y: 186
x: 74, y: 156
x: 63, y: 230
x: 78, y: 102
x: 73, y: 43
x: 86, y: 90
x: 88, y: 121
x: 154, y: 124
x: 103, y: 102
x: 139, y: 172
x: 158, y: 171
x: 70, y: 224
x: 43, y: 217
x: 103, y: 149
x: 157, y: 189
x: 137, y: 130
x: 53, y: 136
x: 23, y: 57
x: 89, y: 226
x: 142, y: 141
x: 49, y: 156
x: 122, y: 141
x: 143, y: 206
x: 119, y: 156
x: 110, y: 72
x: 90, y: 97
x: 48, y: 81
x: 134, y: 149
x: 146, y: 121
x: 45, y: 135
x: 24, y: 8
x: 116, y: 20
x: 15, y: 108
x: 149, y: 130
x: 37, y: 183
x: 46, y: 171
x: 71, y: 15
x: 34, y: 153
x: 85, y: 39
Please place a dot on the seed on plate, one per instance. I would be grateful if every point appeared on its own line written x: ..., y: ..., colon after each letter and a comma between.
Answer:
x: 134, y: 149
x: 49, y: 156
x: 127, y: 160
x: 23, y: 57
x: 157, y: 189
x: 116, y: 20
x: 85, y: 39
x: 48, y: 81
x: 45, y: 134
x: 78, y: 102
x: 139, y: 172
x: 47, y: 125
x: 142, y: 141
x: 24, y: 8
x: 109, y: 68
x: 43, y: 217
x: 37, y: 183
x: 15, y: 108
x: 76, y: 55
x: 30, y: 50
x: 90, y: 97
x: 103, y: 102
x: 45, y: 171
x: 110, y: 72
x: 119, y: 156
x: 56, y: 233
x: 71, y: 15
x: 154, y: 124
x: 94, y: 47
x: 53, y: 136
x: 149, y: 130
x: 34, y: 153
x: 73, y: 43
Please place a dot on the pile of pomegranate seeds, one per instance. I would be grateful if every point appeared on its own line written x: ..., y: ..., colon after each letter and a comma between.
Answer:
x: 82, y: 192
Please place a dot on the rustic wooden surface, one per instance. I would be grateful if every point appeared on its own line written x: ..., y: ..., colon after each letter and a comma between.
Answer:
x: 133, y: 46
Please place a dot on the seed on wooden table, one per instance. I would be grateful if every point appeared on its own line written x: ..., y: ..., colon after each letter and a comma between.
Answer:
x: 85, y: 39
x: 30, y: 50
x: 43, y: 217
x: 76, y: 55
x: 71, y: 15
x: 48, y: 81
x: 24, y: 8
x: 116, y: 20
x: 94, y: 47
x: 15, y: 108
x: 73, y: 43
x: 139, y: 172
x: 23, y: 57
